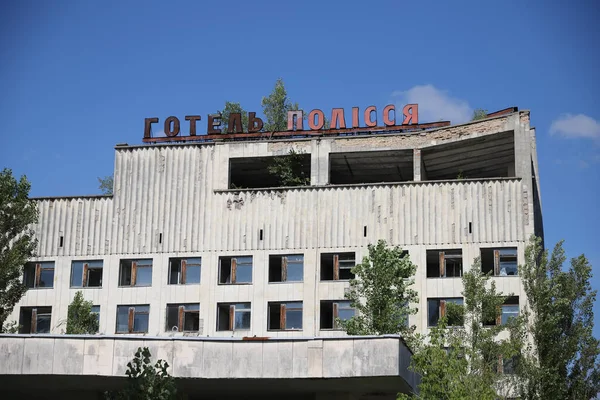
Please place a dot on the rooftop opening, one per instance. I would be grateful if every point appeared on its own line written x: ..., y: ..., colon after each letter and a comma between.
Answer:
x: 371, y: 167
x: 253, y: 172
x: 491, y: 156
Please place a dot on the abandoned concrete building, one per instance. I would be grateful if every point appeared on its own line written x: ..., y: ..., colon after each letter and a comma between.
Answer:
x: 200, y: 249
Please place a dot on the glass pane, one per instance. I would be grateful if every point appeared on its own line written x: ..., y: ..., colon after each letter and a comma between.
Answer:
x: 295, y: 272
x: 508, y: 268
x: 95, y: 309
x: 433, y: 312
x: 43, y: 323
x: 47, y: 278
x: 293, y: 319
x: 193, y: 261
x: 76, y: 273
x: 244, y: 260
x: 144, y: 276
x: 122, y: 319
x: 242, y: 319
x: 509, y: 312
x: 140, y: 322
x: 296, y: 305
x: 242, y: 306
x: 192, y: 274
x: 144, y: 263
x: 243, y: 274
x: 192, y: 307
x: 345, y: 313
x: 295, y: 258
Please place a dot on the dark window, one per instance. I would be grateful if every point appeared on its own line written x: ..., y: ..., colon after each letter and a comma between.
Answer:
x: 232, y: 317
x: 286, y: 268
x: 509, y: 309
x: 39, y: 275
x: 234, y: 270
x: 285, y: 316
x: 184, y: 271
x: 35, y: 319
x: 86, y: 274
x: 438, y: 308
x: 337, y: 266
x: 96, y: 312
x: 183, y: 317
x: 499, y: 262
x: 444, y: 263
x: 133, y: 319
x: 135, y: 273
x: 510, y: 365
x: 332, y: 311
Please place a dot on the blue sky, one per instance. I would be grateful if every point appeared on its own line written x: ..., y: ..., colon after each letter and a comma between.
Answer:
x: 79, y: 77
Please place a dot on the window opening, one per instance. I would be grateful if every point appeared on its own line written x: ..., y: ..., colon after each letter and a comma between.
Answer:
x: 444, y: 263
x: 285, y: 316
x: 334, y: 311
x: 183, y: 317
x: 231, y: 317
x: 184, y: 271
x: 86, y: 274
x: 133, y: 319
x: 235, y: 270
x: 286, y: 268
x: 38, y: 275
x: 437, y: 308
x: 35, y: 319
x: 135, y: 273
x: 337, y: 266
x: 500, y: 262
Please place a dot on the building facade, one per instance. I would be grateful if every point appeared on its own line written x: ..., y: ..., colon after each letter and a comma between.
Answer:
x: 199, y: 239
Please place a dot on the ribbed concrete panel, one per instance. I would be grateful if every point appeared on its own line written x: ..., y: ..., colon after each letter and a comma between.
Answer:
x: 84, y: 224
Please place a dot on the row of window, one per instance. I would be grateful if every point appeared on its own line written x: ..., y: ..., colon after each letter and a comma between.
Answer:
x: 238, y: 270
x: 186, y: 317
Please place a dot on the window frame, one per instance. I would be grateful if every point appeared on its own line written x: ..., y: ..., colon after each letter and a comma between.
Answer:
x: 284, y: 308
x: 134, y: 266
x: 285, y: 267
x: 442, y: 301
x: 232, y: 311
x: 85, y: 273
x: 38, y: 268
x: 336, y: 306
x: 131, y: 314
x: 34, y: 317
x: 497, y: 254
x: 442, y: 263
x: 184, y: 265
x: 336, y: 265
x: 233, y: 267
x: 182, y: 313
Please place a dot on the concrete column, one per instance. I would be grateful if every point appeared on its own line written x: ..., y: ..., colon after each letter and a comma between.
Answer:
x: 319, y: 162
x: 419, y: 173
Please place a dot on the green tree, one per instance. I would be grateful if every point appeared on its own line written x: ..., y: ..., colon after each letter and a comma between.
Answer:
x: 106, y: 184
x: 80, y: 319
x: 288, y: 169
x: 146, y: 381
x: 17, y: 243
x: 464, y: 362
x: 229, y: 108
x: 276, y: 107
x: 562, y: 362
x: 479, y: 113
x: 381, y: 293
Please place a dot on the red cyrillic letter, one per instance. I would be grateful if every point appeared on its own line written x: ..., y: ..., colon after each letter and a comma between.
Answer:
x: 148, y: 126
x: 235, y: 123
x: 386, y: 115
x: 299, y: 115
x: 355, y: 117
x: 411, y: 114
x: 192, y: 119
x: 337, y: 115
x: 320, y: 118
x: 254, y: 124
x: 213, y: 122
x: 175, y: 130
x: 368, y: 121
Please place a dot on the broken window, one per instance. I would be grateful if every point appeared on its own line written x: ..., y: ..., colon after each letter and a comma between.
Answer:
x: 337, y: 266
x: 86, y: 274
x: 39, y: 275
x: 184, y: 271
x: 286, y: 268
x: 35, y: 319
x: 333, y: 311
x: 444, y: 263
x: 499, y: 262
x: 371, y: 166
x: 285, y: 316
x: 438, y: 308
x: 509, y: 309
x: 233, y: 317
x: 96, y: 312
x: 183, y: 317
x: 133, y: 319
x: 235, y: 270
x: 135, y: 273
x: 254, y: 172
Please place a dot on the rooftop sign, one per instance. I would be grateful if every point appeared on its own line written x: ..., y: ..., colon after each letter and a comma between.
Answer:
x: 295, y: 124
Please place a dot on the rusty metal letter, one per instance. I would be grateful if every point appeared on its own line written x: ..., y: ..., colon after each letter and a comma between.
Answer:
x: 355, y: 117
x: 148, y: 126
x: 235, y: 123
x: 337, y: 115
x: 320, y: 119
x: 213, y: 122
x: 175, y: 130
x: 192, y: 119
x: 254, y: 124
x: 299, y: 114
x: 368, y: 121
x: 411, y: 117
x: 386, y: 115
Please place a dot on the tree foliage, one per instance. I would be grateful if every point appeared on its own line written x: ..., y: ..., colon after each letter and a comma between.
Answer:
x: 479, y: 113
x: 229, y: 108
x: 288, y: 169
x: 146, y: 381
x: 106, y: 184
x: 465, y: 362
x: 381, y: 293
x: 80, y: 319
x: 275, y: 108
x: 562, y: 361
x: 17, y: 243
